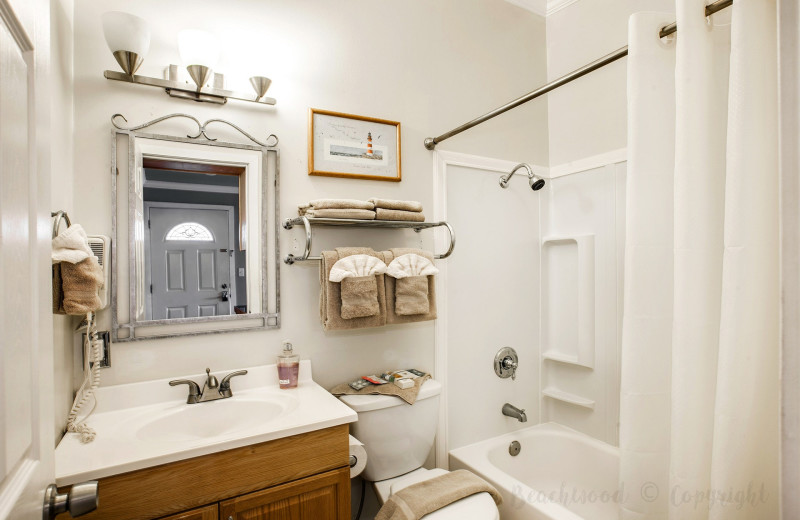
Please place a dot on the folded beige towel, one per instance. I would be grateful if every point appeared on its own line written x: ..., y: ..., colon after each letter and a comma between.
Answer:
x: 392, y: 314
x: 411, y: 296
x: 330, y: 298
x: 359, y: 297
x: 396, y: 214
x: 80, y: 283
x: 408, y: 395
x: 405, y: 205
x: 341, y: 204
x: 360, y: 214
x: 417, y: 500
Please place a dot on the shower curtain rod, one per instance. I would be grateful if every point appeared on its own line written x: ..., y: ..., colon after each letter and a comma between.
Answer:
x: 431, y: 142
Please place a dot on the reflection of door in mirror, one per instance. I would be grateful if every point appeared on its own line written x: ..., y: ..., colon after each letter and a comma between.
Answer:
x: 191, y: 260
x: 194, y: 257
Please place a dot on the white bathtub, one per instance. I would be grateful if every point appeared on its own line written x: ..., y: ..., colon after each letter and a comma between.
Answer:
x: 559, y: 474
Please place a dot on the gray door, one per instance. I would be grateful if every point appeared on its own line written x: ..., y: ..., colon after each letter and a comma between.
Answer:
x: 190, y: 262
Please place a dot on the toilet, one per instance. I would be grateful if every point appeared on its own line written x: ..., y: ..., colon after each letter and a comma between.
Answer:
x: 398, y: 438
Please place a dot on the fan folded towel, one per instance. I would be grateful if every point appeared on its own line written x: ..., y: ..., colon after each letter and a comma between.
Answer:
x: 404, y: 205
x: 71, y: 246
x: 359, y: 285
x: 330, y: 300
x: 411, y: 288
x: 418, y: 500
x: 336, y: 204
x: 80, y: 283
x: 397, y: 214
x: 359, y: 214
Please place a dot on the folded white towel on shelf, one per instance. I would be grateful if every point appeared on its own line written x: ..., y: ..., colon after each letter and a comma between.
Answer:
x: 71, y: 246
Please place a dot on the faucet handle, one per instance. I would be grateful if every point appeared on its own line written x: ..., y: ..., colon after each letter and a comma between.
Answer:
x: 194, y: 389
x: 225, y: 385
x: 211, y: 381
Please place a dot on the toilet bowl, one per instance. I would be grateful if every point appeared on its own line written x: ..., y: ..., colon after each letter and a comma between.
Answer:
x: 398, y: 437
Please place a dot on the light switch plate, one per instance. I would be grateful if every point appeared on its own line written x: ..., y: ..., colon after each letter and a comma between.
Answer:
x: 241, y: 272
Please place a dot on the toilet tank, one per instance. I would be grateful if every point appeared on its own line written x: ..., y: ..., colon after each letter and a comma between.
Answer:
x: 397, y: 436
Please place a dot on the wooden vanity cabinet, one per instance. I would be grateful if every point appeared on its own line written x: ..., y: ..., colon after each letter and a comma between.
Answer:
x: 204, y: 513
x: 303, y: 477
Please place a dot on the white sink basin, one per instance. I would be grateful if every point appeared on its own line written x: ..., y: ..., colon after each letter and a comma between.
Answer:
x: 218, y: 418
x: 145, y: 424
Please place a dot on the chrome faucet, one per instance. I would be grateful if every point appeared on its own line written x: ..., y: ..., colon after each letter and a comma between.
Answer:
x: 512, y: 411
x: 212, y: 389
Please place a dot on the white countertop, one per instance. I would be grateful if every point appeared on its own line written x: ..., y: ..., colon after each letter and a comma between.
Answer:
x: 122, y: 410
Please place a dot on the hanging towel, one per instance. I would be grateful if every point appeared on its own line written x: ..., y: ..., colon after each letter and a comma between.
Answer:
x: 359, y: 287
x: 392, y: 314
x: 58, y: 291
x: 80, y: 283
x: 359, y: 214
x: 417, y: 500
x: 411, y: 273
x: 71, y: 246
x: 330, y: 301
x: 396, y: 214
x: 404, y: 205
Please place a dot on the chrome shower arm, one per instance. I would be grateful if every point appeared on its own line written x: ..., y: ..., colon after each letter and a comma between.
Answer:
x: 504, y: 180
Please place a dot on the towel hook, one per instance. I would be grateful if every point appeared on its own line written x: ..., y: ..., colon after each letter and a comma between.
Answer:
x: 59, y: 215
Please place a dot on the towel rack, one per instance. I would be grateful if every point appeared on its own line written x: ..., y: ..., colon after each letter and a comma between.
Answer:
x: 308, y: 222
x: 59, y: 216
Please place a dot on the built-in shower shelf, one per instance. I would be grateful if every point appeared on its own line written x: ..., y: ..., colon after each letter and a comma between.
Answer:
x: 554, y: 355
x: 566, y: 397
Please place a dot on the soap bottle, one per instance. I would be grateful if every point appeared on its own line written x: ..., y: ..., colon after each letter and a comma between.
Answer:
x: 288, y: 367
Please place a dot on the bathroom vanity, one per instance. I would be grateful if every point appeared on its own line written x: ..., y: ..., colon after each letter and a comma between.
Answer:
x: 263, y: 453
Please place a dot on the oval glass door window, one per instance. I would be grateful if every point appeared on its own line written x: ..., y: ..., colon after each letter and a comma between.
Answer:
x: 190, y: 231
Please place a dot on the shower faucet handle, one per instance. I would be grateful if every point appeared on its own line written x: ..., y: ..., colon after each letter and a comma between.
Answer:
x: 506, y: 362
x: 510, y: 364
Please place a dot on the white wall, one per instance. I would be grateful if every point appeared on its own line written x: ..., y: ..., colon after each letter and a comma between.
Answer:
x: 492, y: 298
x: 588, y: 116
x: 429, y: 65
x: 62, y: 179
x: 587, y: 203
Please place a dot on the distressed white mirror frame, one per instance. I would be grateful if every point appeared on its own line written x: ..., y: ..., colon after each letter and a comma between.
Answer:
x: 263, y: 268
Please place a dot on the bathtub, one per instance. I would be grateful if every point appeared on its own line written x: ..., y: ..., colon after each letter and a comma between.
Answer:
x: 559, y: 474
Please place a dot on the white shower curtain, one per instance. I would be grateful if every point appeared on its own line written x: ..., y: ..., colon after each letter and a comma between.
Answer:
x: 699, y: 401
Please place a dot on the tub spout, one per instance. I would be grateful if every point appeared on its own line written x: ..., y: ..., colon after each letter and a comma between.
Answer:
x: 512, y: 411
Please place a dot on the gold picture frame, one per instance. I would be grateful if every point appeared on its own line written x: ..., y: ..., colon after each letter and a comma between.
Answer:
x: 351, y: 146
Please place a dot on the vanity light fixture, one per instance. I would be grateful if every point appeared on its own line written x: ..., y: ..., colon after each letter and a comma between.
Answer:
x: 128, y: 37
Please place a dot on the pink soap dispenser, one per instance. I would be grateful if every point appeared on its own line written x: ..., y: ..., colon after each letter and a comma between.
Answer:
x: 288, y: 367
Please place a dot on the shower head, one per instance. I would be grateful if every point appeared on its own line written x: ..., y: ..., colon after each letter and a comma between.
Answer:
x: 536, y: 182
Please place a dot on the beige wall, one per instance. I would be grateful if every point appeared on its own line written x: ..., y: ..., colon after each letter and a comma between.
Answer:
x: 588, y: 116
x: 429, y: 65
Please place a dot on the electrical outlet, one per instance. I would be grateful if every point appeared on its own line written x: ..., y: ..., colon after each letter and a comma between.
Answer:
x: 241, y: 272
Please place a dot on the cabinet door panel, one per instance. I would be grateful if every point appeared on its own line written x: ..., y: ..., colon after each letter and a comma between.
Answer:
x: 321, y: 497
x: 204, y: 513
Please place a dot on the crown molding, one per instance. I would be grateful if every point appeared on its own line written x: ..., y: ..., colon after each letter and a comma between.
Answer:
x: 557, y: 5
x: 535, y: 6
x: 542, y: 7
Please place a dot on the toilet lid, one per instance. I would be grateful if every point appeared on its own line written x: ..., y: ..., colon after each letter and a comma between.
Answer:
x: 480, y: 506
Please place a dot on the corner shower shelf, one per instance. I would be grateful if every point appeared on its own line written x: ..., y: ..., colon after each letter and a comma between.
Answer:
x: 566, y: 397
x: 309, y: 222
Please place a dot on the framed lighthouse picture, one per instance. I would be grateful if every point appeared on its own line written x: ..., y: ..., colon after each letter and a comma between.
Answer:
x: 358, y: 147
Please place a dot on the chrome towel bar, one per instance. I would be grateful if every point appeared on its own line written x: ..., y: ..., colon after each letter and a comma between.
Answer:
x: 308, y: 222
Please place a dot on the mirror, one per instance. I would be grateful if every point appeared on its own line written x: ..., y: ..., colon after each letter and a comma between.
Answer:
x: 195, y: 229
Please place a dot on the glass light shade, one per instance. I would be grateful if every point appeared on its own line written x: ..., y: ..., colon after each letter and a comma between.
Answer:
x: 198, y: 48
x: 126, y: 32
